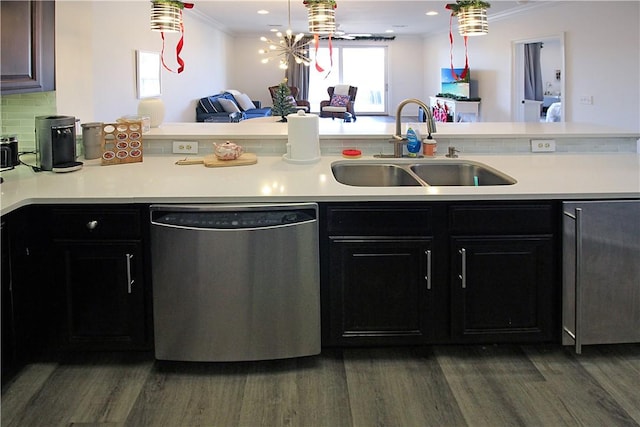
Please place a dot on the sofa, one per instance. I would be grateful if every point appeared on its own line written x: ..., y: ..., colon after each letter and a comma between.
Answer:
x: 229, y: 107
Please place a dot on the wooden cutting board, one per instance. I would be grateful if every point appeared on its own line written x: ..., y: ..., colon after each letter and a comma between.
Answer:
x: 211, y: 161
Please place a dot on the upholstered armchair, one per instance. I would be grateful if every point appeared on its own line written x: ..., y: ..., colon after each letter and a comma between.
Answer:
x: 300, y: 103
x: 340, y: 102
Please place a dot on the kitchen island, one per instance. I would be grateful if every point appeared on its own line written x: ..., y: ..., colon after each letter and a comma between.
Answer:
x: 49, y: 219
x: 158, y: 179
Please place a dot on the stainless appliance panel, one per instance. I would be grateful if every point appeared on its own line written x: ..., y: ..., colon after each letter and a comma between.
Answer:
x: 228, y: 292
x: 601, y: 272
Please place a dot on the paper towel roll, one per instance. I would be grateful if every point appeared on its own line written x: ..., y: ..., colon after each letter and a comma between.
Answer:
x: 303, y: 131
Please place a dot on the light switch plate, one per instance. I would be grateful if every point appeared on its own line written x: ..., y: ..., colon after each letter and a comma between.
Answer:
x: 543, y: 145
x: 185, y: 147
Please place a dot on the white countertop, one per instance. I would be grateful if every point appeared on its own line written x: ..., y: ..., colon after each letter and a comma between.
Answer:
x: 270, y: 128
x: 158, y: 180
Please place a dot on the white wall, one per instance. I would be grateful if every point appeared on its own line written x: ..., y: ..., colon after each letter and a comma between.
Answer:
x: 601, y: 54
x: 550, y: 61
x: 95, y: 60
x: 249, y: 75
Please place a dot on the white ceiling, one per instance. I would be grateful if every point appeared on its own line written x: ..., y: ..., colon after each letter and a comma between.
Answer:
x: 353, y: 16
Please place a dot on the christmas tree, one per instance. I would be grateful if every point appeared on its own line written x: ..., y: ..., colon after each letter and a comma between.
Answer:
x: 283, y: 102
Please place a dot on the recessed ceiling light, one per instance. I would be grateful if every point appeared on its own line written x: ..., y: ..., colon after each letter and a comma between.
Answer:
x: 388, y: 31
x: 431, y: 13
x: 263, y: 12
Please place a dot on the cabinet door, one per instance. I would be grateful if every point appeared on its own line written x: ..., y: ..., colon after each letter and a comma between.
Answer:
x: 104, y: 294
x: 379, y: 291
x: 503, y: 289
x: 8, y: 333
x: 28, y: 46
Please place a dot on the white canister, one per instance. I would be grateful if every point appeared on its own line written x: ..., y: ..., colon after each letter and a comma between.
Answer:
x: 152, y: 108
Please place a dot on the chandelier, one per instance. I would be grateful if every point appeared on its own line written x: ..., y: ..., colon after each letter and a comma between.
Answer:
x: 288, y: 46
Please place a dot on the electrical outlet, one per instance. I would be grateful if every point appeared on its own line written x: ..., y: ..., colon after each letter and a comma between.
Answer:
x: 185, y: 147
x: 543, y: 145
x: 586, y: 100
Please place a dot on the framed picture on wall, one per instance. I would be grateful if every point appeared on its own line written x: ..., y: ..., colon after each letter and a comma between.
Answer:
x: 148, y: 82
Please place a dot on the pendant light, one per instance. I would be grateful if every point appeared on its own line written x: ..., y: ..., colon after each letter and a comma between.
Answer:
x: 322, y: 21
x: 166, y: 17
x: 472, y: 17
x: 321, y: 16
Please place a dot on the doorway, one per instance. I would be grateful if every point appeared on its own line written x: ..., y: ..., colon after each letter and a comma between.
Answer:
x: 552, y: 59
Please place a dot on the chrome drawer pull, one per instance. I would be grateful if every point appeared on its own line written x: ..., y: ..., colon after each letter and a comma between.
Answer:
x: 428, y: 276
x: 463, y: 276
x: 91, y: 225
x: 130, y: 281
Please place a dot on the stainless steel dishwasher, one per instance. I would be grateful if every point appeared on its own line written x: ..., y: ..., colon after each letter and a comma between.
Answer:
x: 235, y: 282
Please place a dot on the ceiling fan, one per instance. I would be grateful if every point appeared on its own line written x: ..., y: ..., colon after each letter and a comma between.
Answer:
x: 342, y: 35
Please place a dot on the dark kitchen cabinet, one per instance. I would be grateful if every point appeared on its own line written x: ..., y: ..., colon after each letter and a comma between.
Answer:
x: 453, y: 272
x: 28, y: 46
x: 9, y: 360
x: 26, y: 297
x: 380, y: 273
x: 100, y: 272
x: 381, y: 290
x: 503, y: 273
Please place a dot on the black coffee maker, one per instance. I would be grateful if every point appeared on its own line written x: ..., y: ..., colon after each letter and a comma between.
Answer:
x: 56, y: 143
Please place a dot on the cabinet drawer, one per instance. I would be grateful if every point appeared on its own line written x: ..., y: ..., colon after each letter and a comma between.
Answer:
x: 95, y: 223
x: 375, y: 220
x: 501, y: 218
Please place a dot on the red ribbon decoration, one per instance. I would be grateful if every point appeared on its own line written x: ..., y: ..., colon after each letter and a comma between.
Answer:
x: 464, y: 73
x: 179, y: 46
x: 316, y: 43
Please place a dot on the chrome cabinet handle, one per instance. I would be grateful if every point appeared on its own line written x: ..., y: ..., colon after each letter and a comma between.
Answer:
x: 91, y: 225
x: 130, y: 281
x: 578, y: 266
x: 428, y: 276
x: 463, y: 275
x: 577, y: 310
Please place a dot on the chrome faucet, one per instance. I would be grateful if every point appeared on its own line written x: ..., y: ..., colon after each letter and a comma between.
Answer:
x: 398, y: 140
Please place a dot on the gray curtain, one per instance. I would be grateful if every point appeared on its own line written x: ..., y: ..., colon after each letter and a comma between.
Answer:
x: 532, y: 72
x: 298, y: 75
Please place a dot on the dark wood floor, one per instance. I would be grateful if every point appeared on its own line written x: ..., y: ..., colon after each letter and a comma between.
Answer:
x: 430, y: 386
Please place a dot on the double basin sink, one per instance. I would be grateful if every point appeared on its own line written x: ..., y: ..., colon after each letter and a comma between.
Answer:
x: 426, y: 173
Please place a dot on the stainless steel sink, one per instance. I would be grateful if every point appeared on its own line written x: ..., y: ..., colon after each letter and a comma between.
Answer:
x: 460, y: 174
x: 373, y: 175
x: 426, y: 173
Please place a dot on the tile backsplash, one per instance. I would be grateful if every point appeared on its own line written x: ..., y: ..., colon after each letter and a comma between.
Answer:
x: 18, y: 112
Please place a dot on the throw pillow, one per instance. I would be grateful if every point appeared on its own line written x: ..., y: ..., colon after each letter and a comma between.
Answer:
x: 245, y: 102
x: 339, y: 100
x: 292, y: 100
x: 208, y: 105
x: 228, y: 105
